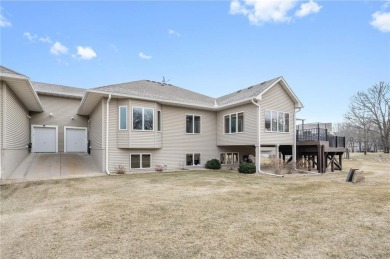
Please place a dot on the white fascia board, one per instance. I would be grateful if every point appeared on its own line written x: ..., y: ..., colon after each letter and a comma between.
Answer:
x: 39, y: 107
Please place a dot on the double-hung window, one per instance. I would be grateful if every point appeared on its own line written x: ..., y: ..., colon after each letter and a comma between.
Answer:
x: 234, y: 123
x: 193, y: 124
x: 143, y: 118
x: 122, y: 117
x: 277, y: 121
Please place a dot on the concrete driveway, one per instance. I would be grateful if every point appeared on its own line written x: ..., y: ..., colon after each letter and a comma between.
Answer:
x: 55, y: 165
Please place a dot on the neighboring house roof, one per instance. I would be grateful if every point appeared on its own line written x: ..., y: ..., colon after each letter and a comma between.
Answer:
x: 22, y: 87
x: 158, y: 91
x: 58, y: 90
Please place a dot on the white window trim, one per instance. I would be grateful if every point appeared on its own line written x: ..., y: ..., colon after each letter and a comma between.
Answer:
x: 127, y: 116
x: 232, y: 153
x: 86, y: 137
x: 230, y: 122
x: 143, y: 112
x: 193, y: 159
x: 160, y: 121
x: 140, y: 160
x: 43, y: 126
x: 277, y: 123
x: 193, y: 125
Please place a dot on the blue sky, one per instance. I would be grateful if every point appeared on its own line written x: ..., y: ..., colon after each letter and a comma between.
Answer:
x: 326, y: 50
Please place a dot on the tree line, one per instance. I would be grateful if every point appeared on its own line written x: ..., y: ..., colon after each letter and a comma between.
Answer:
x: 367, y: 121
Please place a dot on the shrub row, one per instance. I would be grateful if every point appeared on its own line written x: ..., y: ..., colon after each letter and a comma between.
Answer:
x: 244, y: 168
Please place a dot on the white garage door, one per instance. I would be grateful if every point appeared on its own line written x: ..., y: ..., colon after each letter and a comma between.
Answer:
x: 44, y: 140
x: 75, y: 140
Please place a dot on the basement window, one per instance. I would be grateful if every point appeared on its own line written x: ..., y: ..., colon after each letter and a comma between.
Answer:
x: 193, y: 159
x: 140, y: 161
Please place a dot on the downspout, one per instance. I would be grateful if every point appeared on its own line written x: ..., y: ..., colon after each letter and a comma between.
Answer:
x: 107, y: 121
x: 294, y: 152
x: 259, y: 142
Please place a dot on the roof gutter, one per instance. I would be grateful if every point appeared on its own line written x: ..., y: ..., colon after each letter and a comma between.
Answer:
x: 258, y: 144
x: 107, y: 121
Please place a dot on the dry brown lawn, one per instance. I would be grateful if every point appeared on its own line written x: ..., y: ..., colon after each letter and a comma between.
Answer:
x: 201, y: 214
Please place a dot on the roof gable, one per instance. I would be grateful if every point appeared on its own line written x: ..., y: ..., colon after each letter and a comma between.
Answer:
x: 245, y: 94
x: 22, y: 87
x: 286, y: 87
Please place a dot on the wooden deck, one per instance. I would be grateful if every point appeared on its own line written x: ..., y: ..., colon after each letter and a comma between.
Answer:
x: 320, y: 155
x: 317, y: 148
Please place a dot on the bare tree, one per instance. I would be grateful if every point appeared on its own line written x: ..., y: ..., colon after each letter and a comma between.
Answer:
x: 370, y: 111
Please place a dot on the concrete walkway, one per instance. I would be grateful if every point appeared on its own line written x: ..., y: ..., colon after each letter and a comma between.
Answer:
x: 55, y: 165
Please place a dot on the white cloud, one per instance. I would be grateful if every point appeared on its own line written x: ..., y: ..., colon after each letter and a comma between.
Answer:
x: 58, y: 49
x: 33, y: 37
x: 45, y: 40
x: 86, y: 52
x: 381, y: 21
x: 4, y: 22
x: 173, y: 32
x: 144, y: 56
x: 308, y: 8
x: 29, y: 36
x: 259, y: 12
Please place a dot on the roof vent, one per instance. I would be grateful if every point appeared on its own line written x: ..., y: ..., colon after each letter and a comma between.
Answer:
x: 250, y: 87
x: 263, y: 83
x: 239, y: 91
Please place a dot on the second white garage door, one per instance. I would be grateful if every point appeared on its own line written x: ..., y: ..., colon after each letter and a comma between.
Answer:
x: 75, y: 139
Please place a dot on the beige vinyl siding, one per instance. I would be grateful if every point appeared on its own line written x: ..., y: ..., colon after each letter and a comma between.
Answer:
x: 175, y: 142
x: 16, y: 131
x: 95, y: 132
x: 276, y: 99
x: 1, y: 113
x: 63, y: 109
x: 131, y: 138
x: 248, y: 137
x: 140, y: 138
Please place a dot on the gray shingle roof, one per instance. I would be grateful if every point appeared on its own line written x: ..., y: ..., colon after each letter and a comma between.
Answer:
x: 246, y: 93
x: 158, y: 91
x: 9, y: 71
x: 167, y: 92
x: 58, y: 90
